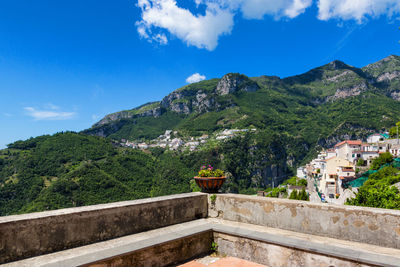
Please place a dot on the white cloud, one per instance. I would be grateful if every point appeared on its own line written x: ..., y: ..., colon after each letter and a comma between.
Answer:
x: 257, y: 9
x: 161, y: 39
x: 357, y: 10
x: 201, y: 31
x: 196, y: 77
x: 204, y: 30
x: 297, y: 7
x: 48, y: 114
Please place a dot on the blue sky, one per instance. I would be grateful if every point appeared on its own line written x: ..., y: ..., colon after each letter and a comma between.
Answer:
x: 65, y: 64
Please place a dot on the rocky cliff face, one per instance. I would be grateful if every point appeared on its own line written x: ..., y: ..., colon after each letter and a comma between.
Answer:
x: 349, y: 91
x: 172, y: 101
x: 188, y: 101
x: 234, y: 82
x: 395, y: 95
x: 388, y: 76
x: 332, y: 82
x: 129, y: 114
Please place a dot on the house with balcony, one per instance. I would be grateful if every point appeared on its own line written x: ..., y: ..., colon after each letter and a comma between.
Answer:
x: 329, y: 184
x: 346, y: 148
x: 345, y: 175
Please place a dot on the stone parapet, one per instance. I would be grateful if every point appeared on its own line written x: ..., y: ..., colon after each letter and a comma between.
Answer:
x: 379, y: 227
x: 34, y: 234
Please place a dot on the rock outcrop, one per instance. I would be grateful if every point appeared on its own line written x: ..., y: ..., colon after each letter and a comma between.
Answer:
x: 178, y: 101
x: 395, y: 95
x: 188, y: 101
x: 142, y: 111
x: 388, y: 76
x: 349, y: 91
x: 234, y: 82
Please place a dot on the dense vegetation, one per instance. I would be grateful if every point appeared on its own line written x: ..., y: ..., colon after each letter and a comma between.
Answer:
x: 295, y: 117
x: 378, y: 191
x: 302, y: 195
x: 282, y: 190
x: 303, y: 109
x: 70, y: 169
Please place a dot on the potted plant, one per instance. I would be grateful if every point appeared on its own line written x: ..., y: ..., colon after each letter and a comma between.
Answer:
x: 209, y: 179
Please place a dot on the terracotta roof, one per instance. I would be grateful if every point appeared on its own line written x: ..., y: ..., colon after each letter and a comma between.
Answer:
x: 349, y: 142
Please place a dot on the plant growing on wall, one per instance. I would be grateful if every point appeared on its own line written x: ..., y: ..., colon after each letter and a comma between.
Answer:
x: 214, y: 247
x: 213, y: 198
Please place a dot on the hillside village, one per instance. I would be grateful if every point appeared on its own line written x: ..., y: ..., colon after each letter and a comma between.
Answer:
x: 172, y: 141
x: 329, y: 174
x: 333, y: 170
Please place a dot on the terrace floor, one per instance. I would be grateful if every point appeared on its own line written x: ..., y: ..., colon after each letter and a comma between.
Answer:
x: 220, y: 262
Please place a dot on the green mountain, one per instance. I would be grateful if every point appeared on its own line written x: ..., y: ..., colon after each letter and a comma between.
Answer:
x: 293, y: 118
x: 319, y: 107
x: 71, y: 169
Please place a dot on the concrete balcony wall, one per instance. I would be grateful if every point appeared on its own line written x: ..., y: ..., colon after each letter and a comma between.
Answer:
x: 34, y: 234
x: 379, y: 227
x: 172, y: 229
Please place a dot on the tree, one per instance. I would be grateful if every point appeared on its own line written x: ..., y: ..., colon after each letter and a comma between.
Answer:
x: 394, y: 131
x: 360, y: 162
x: 302, y: 195
x: 293, y: 195
x: 381, y: 160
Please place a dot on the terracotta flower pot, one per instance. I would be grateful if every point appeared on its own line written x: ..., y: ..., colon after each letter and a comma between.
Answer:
x: 210, y: 184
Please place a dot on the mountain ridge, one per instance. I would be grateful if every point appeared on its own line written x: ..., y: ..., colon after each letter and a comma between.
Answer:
x: 293, y: 120
x: 321, y: 85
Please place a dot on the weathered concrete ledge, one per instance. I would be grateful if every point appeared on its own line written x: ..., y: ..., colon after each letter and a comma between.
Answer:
x: 34, y: 234
x: 159, y: 230
x: 177, y: 243
x: 281, y: 248
x: 379, y: 227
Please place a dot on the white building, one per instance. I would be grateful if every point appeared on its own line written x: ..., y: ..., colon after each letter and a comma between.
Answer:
x: 376, y: 138
x: 301, y: 172
x: 395, y: 150
x: 345, y: 149
x: 175, y: 144
x: 143, y: 146
x: 329, y: 184
x: 330, y: 153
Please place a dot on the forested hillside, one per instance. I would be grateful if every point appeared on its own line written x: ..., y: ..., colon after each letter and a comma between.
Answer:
x: 293, y: 119
x: 71, y: 169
